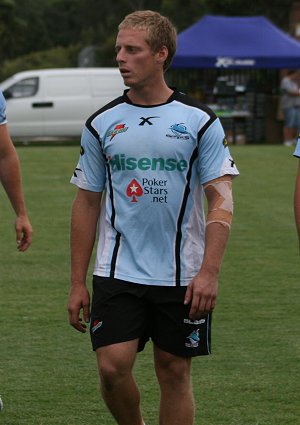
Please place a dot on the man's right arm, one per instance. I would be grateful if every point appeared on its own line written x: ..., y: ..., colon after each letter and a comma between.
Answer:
x: 10, y: 177
x: 84, y: 220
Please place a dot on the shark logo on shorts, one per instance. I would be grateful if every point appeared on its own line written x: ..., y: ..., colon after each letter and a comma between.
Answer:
x: 194, y: 339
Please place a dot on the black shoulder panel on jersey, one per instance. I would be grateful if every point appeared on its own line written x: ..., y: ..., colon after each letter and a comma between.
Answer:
x: 187, y: 100
x: 109, y: 105
x: 190, y: 101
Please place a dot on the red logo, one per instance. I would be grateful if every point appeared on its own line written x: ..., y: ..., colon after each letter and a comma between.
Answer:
x: 119, y: 128
x: 134, y: 189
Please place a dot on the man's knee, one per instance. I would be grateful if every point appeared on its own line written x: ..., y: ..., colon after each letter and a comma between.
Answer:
x: 114, y: 366
x: 112, y: 374
x: 172, y: 369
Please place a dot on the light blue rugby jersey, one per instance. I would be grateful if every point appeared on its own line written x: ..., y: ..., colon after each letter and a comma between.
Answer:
x: 297, y: 150
x: 3, y: 119
x: 151, y: 161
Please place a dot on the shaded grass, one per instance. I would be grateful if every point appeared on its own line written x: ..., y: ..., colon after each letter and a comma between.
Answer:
x: 47, y: 370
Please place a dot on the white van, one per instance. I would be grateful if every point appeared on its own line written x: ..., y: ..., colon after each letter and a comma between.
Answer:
x: 54, y: 103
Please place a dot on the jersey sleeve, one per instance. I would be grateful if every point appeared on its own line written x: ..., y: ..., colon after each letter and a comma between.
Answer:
x: 297, y: 150
x: 90, y: 173
x: 214, y: 159
x: 3, y: 119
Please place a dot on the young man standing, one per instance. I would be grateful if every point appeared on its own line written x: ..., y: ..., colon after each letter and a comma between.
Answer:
x: 10, y: 177
x: 146, y: 160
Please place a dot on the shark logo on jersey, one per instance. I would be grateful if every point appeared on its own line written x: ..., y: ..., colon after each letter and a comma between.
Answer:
x: 194, y: 339
x: 179, y: 131
x: 119, y: 128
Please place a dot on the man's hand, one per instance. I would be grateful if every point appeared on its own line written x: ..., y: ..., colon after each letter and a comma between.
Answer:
x: 79, y: 299
x: 202, y: 294
x: 23, y: 232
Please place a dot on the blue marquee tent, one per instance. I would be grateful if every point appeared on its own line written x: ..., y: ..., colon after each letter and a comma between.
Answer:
x: 236, y: 42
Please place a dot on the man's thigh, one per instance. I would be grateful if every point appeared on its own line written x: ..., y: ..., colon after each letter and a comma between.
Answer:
x: 116, y: 358
x: 119, y: 312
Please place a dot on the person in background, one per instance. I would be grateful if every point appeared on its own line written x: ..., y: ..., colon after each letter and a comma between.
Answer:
x: 10, y: 177
x: 297, y: 192
x: 146, y: 160
x: 290, y: 106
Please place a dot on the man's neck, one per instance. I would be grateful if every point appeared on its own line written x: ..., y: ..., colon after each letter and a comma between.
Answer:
x: 150, y: 95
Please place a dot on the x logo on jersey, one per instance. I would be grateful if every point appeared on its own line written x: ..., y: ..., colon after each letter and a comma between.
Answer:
x: 146, y: 120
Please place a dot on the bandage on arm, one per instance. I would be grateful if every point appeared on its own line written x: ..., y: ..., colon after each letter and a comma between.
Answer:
x: 220, y: 203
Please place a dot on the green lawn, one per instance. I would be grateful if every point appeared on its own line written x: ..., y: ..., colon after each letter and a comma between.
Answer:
x: 48, y: 372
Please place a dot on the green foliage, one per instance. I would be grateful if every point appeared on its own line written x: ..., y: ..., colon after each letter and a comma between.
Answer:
x: 47, y: 370
x: 63, y: 21
x: 28, y: 26
x: 57, y: 57
x: 277, y: 11
x: 10, y: 28
x: 184, y: 12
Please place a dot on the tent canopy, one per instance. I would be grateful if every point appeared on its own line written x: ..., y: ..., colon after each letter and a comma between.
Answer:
x: 236, y: 42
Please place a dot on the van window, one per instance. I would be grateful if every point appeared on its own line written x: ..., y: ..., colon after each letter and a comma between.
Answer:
x: 67, y: 85
x: 24, y: 88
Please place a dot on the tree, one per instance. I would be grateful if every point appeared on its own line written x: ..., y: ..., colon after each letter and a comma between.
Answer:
x: 277, y: 11
x: 10, y: 27
x: 28, y: 26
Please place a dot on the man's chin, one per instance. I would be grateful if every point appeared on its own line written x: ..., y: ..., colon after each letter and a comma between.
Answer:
x: 128, y: 82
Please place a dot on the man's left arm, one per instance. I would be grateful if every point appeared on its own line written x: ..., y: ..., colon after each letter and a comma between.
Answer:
x: 203, y: 289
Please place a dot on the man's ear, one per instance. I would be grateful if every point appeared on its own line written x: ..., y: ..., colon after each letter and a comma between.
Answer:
x: 162, y: 55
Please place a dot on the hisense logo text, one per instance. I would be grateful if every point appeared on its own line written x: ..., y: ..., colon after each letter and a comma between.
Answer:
x: 121, y: 163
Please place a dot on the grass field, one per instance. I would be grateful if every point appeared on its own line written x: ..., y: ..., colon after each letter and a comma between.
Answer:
x: 48, y: 372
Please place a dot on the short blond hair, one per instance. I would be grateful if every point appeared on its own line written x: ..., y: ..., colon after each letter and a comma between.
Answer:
x: 161, y: 31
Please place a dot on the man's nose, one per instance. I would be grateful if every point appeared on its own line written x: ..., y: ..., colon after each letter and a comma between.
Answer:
x: 120, y: 56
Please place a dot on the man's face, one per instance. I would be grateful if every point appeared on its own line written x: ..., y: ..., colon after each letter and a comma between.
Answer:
x: 137, y: 63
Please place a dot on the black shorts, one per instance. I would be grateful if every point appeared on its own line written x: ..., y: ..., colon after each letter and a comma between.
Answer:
x: 123, y: 311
